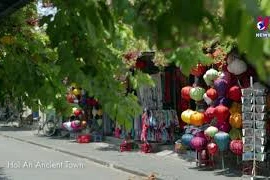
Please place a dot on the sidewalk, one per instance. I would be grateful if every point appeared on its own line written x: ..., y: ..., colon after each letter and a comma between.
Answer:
x: 166, y: 165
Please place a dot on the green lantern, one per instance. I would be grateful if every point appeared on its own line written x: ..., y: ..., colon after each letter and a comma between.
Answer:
x: 211, y: 131
x: 197, y: 93
x: 210, y: 76
x: 235, y: 134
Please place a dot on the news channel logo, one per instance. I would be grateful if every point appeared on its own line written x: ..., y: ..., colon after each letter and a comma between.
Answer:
x: 262, y: 26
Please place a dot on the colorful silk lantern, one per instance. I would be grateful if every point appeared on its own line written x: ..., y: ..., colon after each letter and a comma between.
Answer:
x: 222, y: 139
x: 198, y: 143
x: 224, y: 126
x: 76, y: 92
x: 186, y: 139
x: 199, y: 70
x: 236, y: 120
x: 235, y: 108
x: 207, y: 99
x: 212, y: 94
x: 222, y: 113
x: 77, y: 112
x: 211, y: 131
x: 75, y: 125
x: 210, y: 76
x: 197, y: 119
x: 99, y: 112
x: 235, y: 134
x: 185, y: 116
x: 210, y: 112
x: 222, y: 101
x: 196, y: 93
x: 185, y: 92
x: 235, y: 93
x: 221, y: 87
x: 212, y: 148
x: 236, y: 146
x: 70, y: 98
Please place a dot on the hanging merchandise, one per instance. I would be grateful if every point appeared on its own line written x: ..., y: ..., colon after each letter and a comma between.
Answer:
x: 210, y: 76
x: 185, y: 92
x: 199, y: 70
x: 197, y: 93
x: 185, y: 116
x: 236, y: 120
x: 221, y: 113
x: 221, y: 87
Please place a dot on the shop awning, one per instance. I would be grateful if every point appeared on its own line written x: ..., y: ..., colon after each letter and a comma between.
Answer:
x: 9, y: 6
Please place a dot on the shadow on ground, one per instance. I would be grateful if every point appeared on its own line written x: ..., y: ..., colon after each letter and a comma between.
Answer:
x: 9, y: 128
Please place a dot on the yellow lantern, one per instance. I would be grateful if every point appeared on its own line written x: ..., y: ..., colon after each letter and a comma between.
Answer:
x: 235, y: 108
x: 236, y: 120
x: 76, y: 92
x: 197, y: 119
x: 99, y: 112
x: 185, y: 116
x: 74, y: 109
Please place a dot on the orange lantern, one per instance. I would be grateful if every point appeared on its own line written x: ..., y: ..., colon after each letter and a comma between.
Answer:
x: 198, y: 70
x: 212, y: 94
x: 236, y: 120
x: 197, y: 119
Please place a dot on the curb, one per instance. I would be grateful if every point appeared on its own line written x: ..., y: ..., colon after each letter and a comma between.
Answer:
x: 100, y: 162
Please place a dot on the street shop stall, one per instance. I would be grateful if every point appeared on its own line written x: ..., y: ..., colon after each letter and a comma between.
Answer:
x: 227, y: 115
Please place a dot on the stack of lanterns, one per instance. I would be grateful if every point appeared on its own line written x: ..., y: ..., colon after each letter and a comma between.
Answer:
x: 222, y: 95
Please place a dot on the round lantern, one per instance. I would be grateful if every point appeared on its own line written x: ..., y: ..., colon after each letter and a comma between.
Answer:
x: 235, y: 108
x: 196, y: 93
x: 221, y: 87
x: 77, y: 112
x: 236, y: 120
x: 198, y: 143
x: 224, y: 126
x: 186, y: 139
x: 197, y: 119
x: 185, y: 92
x: 99, y: 112
x: 210, y: 112
x: 210, y: 76
x: 76, y: 92
x: 212, y: 93
x: 75, y: 125
x: 207, y: 99
x: 237, y: 67
x: 199, y: 70
x: 212, y: 148
x: 185, y: 116
x: 211, y: 131
x: 222, y: 113
x: 84, y: 124
x: 235, y: 93
x: 222, y: 139
x: 70, y: 98
x: 236, y: 146
x: 235, y: 134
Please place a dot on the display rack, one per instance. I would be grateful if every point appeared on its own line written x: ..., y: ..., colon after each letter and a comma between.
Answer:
x: 254, y: 117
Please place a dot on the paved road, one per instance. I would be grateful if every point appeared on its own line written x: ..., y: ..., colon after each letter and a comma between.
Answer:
x: 19, y: 161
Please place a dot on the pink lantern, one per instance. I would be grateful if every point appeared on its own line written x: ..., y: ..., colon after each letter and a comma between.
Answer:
x: 77, y: 112
x: 212, y: 148
x: 236, y: 146
x: 75, y: 125
x: 198, y: 143
x: 210, y: 113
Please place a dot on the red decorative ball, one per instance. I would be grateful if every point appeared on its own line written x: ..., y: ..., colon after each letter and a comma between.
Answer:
x: 221, y: 113
x: 199, y: 70
x: 236, y: 146
x: 212, y: 148
x: 212, y: 93
x: 140, y: 64
x: 235, y: 93
x: 210, y: 113
x: 185, y: 92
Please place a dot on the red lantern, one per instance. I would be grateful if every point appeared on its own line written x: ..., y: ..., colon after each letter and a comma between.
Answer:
x: 212, y: 148
x: 199, y: 70
x: 212, y: 93
x: 236, y: 146
x: 221, y: 113
x: 235, y: 93
x: 77, y: 112
x: 91, y: 102
x: 185, y: 92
